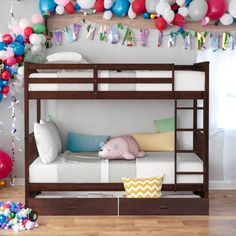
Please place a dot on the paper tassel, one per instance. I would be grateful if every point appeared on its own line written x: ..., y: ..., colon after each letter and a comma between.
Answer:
x: 104, y: 29
x: 159, y: 39
x: 129, y: 38
x: 91, y: 32
x: 187, y: 41
x: 57, y: 36
x: 144, y: 36
x: 225, y: 41
x: 233, y: 40
x: 72, y: 32
x: 114, y: 35
x: 215, y: 41
x: 172, y: 40
x: 201, y: 40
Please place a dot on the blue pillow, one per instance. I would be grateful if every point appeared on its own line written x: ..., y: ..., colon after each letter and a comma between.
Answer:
x: 77, y: 142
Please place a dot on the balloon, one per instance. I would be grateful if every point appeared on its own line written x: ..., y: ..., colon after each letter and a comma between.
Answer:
x: 138, y: 6
x: 178, y: 20
x: 43, y: 39
x: 168, y: 16
x: 131, y: 14
x: 69, y: 8
x: 183, y: 11
x: 5, y: 90
x: 28, y: 31
x: 161, y: 24
x: 10, y: 61
x: 62, y: 2
x: 23, y: 23
x: 21, y: 70
x: 108, y: 4
x: 17, y: 30
x: 60, y: 10
x: 3, y: 46
x: 3, y: 220
x: 180, y: 2
x: 151, y: 5
x: 19, y: 49
x: 47, y: 7
x: 5, y: 83
x: 1, y: 96
x: 7, y: 38
x: 226, y: 19
x: 37, y: 19
x: 39, y: 28
x: 232, y: 8
x: 216, y: 9
x: 197, y: 9
x: 170, y: 2
x: 121, y: 7
x: 99, y: 6
x: 161, y: 7
x: 35, y: 39
x: 107, y: 15
x: 146, y: 15
x: 6, y: 54
x: 19, y: 59
x: 86, y: 4
x: 20, y: 39
x: 36, y: 49
x: 6, y: 75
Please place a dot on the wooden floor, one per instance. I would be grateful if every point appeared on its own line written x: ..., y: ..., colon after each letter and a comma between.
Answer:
x: 222, y: 221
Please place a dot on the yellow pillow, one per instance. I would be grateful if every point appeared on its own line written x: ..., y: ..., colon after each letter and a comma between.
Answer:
x: 143, y: 187
x: 155, y: 142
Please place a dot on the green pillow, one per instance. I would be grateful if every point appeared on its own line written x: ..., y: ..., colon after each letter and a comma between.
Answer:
x: 165, y: 125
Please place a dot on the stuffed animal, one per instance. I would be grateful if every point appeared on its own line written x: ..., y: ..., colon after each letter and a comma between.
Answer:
x: 122, y: 147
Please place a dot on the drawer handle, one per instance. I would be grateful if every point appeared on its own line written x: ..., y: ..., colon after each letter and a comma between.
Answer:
x: 164, y: 207
x: 72, y: 207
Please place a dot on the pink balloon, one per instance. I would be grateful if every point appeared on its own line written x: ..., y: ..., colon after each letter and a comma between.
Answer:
x: 10, y: 61
x: 37, y: 18
x: 62, y: 2
x: 216, y: 9
x: 17, y: 30
x: 6, y: 164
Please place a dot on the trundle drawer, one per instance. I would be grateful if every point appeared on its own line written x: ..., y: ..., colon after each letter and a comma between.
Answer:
x: 74, y: 206
x: 163, y: 206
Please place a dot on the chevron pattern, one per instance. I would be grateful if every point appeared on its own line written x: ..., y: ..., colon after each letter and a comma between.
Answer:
x: 143, y: 187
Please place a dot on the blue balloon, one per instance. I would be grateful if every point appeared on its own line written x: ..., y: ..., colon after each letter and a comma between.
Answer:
x: 1, y: 96
x: 8, y: 68
x: 20, y: 39
x: 19, y: 50
x: 4, y: 83
x: 1, y: 83
x: 3, y: 218
x: 13, y: 44
x: 146, y: 15
x: 47, y: 7
x: 3, y: 46
x: 120, y: 7
x: 77, y: 7
x: 234, y: 20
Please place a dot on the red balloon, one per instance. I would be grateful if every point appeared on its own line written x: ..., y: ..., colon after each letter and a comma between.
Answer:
x: 7, y: 38
x: 99, y: 6
x: 69, y: 8
x: 28, y: 31
x: 216, y: 9
x: 19, y: 58
x: 161, y: 24
x: 6, y: 75
x: 178, y: 20
x: 175, y: 7
x: 6, y: 164
x: 10, y: 61
x: 138, y: 6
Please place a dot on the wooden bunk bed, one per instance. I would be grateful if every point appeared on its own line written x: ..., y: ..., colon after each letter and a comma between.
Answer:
x: 120, y: 206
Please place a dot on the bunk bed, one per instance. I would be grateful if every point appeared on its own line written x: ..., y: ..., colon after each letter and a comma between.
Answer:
x: 175, y: 83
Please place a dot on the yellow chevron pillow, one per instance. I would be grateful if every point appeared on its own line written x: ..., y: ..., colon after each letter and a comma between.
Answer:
x: 143, y: 187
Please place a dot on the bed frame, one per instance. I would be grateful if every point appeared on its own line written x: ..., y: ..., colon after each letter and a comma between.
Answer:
x: 122, y: 206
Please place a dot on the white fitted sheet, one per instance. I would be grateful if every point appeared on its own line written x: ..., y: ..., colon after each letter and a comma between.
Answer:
x: 89, y: 171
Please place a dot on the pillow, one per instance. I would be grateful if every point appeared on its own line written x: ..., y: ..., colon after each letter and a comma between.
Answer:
x: 45, y: 142
x: 69, y: 57
x: 165, y: 125
x: 53, y: 128
x: 77, y: 142
x: 143, y: 187
x: 155, y: 142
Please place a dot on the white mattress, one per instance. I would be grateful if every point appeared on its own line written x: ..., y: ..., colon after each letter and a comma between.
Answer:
x: 184, y: 81
x: 63, y: 170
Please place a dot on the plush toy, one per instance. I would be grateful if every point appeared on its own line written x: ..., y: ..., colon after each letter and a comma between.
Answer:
x: 122, y: 147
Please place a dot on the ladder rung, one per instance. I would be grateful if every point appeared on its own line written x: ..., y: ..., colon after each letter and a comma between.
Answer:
x: 188, y: 130
x: 188, y: 151
x: 190, y: 108
x: 189, y: 173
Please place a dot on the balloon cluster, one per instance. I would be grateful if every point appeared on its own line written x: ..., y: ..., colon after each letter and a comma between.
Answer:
x: 14, y: 215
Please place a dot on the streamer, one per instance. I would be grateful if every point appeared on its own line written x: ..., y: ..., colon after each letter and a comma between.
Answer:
x: 225, y: 41
x: 144, y: 37
x: 57, y: 36
x: 91, y: 32
x: 215, y: 41
x: 201, y: 40
x: 159, y: 39
x: 172, y: 39
x: 104, y: 29
x: 129, y: 38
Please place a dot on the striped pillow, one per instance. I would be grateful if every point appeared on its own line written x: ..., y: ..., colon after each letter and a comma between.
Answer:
x: 143, y: 187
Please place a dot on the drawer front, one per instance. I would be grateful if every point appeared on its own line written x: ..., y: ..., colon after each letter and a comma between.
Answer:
x: 167, y: 206
x: 74, y: 206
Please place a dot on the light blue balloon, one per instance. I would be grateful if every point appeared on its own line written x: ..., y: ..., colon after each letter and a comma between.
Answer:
x: 3, y: 46
x: 47, y: 7
x: 1, y: 97
x: 120, y: 7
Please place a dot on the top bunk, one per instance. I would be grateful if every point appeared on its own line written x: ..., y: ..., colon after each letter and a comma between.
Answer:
x: 116, y: 81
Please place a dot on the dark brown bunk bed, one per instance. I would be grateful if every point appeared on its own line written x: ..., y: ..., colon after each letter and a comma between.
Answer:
x: 120, y: 206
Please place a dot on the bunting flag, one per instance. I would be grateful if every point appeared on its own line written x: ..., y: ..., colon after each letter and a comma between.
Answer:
x: 104, y: 29
x: 72, y: 32
x: 144, y: 37
x: 159, y: 38
x: 172, y: 39
x: 225, y: 41
x: 201, y: 40
x: 91, y: 30
x: 57, y: 36
x: 129, y: 38
x: 216, y: 37
x: 233, y: 41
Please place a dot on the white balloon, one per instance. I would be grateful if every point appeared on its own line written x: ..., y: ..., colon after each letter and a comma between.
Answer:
x: 107, y: 15
x: 232, y: 8
x: 161, y: 7
x: 169, y: 16
x: 197, y: 9
x: 60, y: 10
x: 108, y: 4
x: 171, y: 2
x: 131, y: 13
x: 86, y: 4
x: 21, y: 70
x: 183, y: 11
x: 226, y: 19
x: 151, y: 5
x: 35, y: 39
x: 180, y: 2
x: 43, y: 39
x: 23, y: 23
x: 36, y: 49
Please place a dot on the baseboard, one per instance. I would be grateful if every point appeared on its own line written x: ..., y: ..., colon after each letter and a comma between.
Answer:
x: 18, y: 181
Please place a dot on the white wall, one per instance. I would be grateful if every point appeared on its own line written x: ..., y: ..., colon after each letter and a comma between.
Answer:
x: 93, y: 51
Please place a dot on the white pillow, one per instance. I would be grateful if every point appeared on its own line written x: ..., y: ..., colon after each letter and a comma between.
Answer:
x: 45, y: 142
x: 65, y: 57
x: 53, y: 128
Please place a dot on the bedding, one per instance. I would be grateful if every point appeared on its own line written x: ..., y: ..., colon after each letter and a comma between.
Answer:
x: 165, y: 125
x: 78, y: 168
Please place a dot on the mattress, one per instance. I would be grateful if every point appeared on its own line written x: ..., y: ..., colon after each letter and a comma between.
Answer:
x: 68, y: 168
x: 184, y: 81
